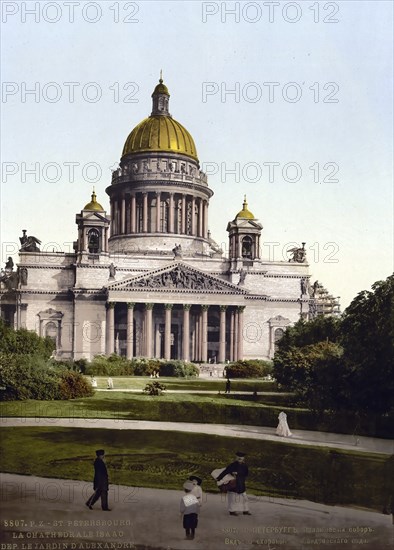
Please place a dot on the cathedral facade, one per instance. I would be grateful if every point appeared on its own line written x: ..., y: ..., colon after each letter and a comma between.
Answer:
x: 146, y: 278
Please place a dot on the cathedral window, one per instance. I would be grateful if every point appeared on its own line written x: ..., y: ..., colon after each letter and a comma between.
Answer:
x: 164, y: 208
x: 247, y: 244
x: 93, y: 241
x: 189, y: 218
x: 178, y: 215
x: 279, y: 332
x: 51, y: 331
x: 139, y: 211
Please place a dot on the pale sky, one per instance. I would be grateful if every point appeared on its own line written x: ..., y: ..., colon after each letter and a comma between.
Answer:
x: 307, y: 85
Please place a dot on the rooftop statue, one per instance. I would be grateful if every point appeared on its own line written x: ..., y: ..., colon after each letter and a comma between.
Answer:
x: 7, y: 275
x: 242, y: 277
x: 299, y: 254
x: 177, y: 250
x: 29, y: 243
x: 9, y: 266
x: 112, y: 271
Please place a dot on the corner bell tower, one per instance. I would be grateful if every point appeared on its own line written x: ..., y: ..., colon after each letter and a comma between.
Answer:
x: 93, y: 227
x: 244, y: 238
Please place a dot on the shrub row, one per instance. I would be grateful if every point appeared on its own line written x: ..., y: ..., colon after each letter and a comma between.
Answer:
x: 253, y: 368
x: 32, y: 377
x: 114, y: 365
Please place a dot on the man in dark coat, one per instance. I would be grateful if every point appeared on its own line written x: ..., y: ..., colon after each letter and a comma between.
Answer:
x: 100, y: 482
x: 239, y: 470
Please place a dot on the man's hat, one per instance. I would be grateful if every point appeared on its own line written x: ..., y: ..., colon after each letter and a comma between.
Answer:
x: 238, y: 453
x: 100, y: 452
x: 195, y: 478
x: 188, y: 486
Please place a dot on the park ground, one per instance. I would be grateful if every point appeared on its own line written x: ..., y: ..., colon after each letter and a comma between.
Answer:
x: 148, y: 461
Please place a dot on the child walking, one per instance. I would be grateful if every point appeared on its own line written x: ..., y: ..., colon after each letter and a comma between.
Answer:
x: 189, y: 507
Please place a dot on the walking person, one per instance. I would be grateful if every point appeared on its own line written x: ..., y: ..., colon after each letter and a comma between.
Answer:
x: 228, y: 385
x: 237, y: 499
x: 189, y: 508
x: 110, y: 383
x: 100, y: 482
x: 283, y: 429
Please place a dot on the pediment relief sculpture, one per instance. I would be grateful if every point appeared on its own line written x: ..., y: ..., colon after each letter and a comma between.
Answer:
x: 179, y: 277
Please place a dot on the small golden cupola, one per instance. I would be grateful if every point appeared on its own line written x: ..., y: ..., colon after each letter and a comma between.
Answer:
x: 244, y: 238
x: 245, y: 213
x: 93, y: 204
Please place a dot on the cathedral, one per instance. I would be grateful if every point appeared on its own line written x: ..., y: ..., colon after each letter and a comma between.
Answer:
x: 146, y: 279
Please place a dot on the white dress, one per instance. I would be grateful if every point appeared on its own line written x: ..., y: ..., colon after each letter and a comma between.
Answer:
x: 283, y: 429
x: 197, y: 492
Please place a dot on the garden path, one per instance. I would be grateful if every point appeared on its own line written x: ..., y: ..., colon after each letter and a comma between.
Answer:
x: 299, y: 437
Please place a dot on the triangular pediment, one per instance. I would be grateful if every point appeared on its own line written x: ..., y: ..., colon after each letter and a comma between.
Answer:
x: 91, y: 215
x: 244, y: 223
x: 177, y: 276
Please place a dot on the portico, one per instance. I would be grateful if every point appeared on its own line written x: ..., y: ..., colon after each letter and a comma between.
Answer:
x: 186, y: 331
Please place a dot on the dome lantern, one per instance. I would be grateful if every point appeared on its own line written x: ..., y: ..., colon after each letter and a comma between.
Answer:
x: 160, y: 99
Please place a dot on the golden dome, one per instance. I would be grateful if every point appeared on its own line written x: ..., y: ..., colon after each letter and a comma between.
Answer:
x: 245, y: 213
x: 93, y: 204
x: 160, y: 133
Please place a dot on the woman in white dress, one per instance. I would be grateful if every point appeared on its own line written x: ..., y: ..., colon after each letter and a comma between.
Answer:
x: 283, y: 429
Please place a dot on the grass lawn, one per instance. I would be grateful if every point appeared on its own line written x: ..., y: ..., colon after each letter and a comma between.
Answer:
x: 164, y: 460
x: 214, y: 384
x: 168, y: 407
x: 186, y: 407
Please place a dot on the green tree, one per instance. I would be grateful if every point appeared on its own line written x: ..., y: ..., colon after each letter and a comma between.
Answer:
x: 27, y: 373
x: 355, y: 370
x: 367, y: 335
x: 314, y: 373
x: 304, y: 333
x: 24, y: 342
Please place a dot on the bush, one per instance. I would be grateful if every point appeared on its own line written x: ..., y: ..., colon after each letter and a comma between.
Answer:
x: 179, y: 369
x: 146, y: 367
x: 254, y: 368
x: 72, y: 385
x: 26, y: 377
x: 154, y: 388
x: 24, y: 342
x: 78, y: 366
x: 114, y: 365
x: 32, y: 377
